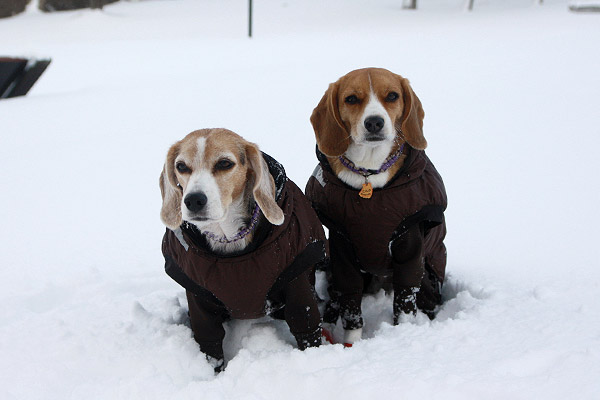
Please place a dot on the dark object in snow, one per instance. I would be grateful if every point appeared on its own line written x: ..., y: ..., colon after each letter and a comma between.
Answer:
x: 585, y: 8
x: 17, y: 75
x: 410, y: 5
x: 62, y: 5
x: 8, y: 8
x: 249, y: 18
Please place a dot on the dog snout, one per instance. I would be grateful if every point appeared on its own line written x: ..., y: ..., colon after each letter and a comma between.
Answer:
x: 195, y: 202
x: 374, y: 124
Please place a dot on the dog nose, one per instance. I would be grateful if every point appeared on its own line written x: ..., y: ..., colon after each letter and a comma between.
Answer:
x: 195, y: 201
x: 374, y: 124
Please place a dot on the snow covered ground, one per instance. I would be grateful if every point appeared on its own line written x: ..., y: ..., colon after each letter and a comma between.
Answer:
x: 511, y: 94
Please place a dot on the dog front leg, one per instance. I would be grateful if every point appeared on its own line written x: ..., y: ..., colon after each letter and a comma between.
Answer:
x: 347, y: 283
x: 302, y: 312
x: 407, y: 254
x: 207, y: 326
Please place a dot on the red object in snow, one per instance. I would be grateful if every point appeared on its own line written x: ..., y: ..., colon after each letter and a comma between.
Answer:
x: 327, y: 335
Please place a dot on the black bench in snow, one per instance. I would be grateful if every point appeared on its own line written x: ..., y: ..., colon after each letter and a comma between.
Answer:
x: 17, y: 75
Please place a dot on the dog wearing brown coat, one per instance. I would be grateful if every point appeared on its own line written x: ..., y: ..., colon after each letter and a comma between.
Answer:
x: 380, y: 196
x: 241, y: 238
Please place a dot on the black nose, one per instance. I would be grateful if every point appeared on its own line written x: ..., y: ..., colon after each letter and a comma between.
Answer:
x: 374, y: 124
x: 195, y: 201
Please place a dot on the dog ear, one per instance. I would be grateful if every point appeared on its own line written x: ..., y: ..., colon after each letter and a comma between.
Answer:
x: 170, y: 213
x: 332, y: 136
x: 264, y: 185
x: 411, y: 121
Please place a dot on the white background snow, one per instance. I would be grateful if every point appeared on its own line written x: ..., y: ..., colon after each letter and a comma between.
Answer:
x: 511, y: 94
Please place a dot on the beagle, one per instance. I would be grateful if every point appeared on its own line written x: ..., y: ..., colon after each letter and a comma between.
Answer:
x: 379, y: 195
x: 241, y: 238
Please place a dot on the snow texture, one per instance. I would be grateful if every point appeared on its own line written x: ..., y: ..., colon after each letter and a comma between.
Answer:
x: 510, y: 92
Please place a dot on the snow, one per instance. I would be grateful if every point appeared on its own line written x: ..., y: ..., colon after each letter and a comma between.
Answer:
x: 510, y: 92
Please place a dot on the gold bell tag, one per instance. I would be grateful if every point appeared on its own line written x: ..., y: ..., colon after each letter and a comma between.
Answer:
x: 367, y: 190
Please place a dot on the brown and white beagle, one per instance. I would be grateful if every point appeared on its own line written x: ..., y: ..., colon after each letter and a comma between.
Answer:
x: 379, y: 195
x: 241, y: 238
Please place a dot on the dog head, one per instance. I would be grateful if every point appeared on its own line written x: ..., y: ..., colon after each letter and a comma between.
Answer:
x: 368, y: 106
x: 210, y: 171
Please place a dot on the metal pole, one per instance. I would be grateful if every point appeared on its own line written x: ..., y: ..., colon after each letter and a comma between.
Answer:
x: 249, y: 18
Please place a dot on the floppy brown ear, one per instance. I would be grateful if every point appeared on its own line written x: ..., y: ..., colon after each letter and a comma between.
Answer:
x: 170, y: 213
x: 332, y: 136
x: 264, y: 186
x: 411, y: 123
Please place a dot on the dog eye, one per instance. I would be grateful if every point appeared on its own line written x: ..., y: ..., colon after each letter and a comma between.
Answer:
x: 181, y: 167
x: 352, y: 99
x: 223, y: 165
x: 391, y: 97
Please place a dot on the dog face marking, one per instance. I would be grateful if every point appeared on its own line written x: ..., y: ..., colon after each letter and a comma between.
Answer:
x: 211, y: 174
x: 369, y: 103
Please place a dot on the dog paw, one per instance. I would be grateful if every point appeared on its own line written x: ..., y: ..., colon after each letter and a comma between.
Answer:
x: 218, y: 364
x: 352, y: 336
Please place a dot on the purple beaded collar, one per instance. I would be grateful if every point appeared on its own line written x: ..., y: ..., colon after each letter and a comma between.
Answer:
x: 391, y: 160
x: 242, y: 232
